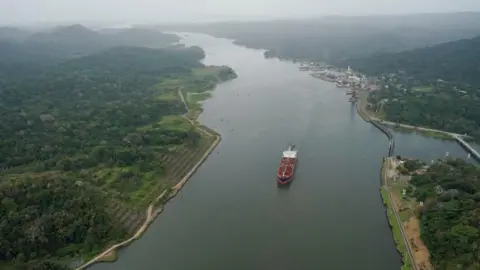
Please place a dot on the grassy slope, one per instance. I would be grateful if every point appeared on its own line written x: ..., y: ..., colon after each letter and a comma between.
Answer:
x: 154, y: 184
x: 397, y: 235
x: 195, y: 93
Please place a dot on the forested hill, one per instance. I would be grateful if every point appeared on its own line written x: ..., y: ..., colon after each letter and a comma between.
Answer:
x: 457, y: 61
x: 77, y: 141
x: 336, y: 37
x: 72, y: 41
x: 434, y: 87
x: 13, y: 34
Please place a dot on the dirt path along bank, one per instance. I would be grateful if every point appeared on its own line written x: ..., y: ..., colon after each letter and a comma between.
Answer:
x: 152, y: 211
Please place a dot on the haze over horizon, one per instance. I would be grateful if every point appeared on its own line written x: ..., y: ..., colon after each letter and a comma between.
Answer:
x: 151, y: 11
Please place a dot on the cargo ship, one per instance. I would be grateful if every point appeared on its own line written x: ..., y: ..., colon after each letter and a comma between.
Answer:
x: 287, y: 165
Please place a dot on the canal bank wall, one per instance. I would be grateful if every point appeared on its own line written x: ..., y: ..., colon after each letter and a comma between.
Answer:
x: 360, y: 106
x: 393, y: 218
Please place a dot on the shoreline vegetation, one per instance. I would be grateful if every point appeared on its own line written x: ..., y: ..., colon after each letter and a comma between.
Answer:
x: 93, y: 146
x: 413, y: 201
x: 434, y: 208
x: 368, y: 115
x: 363, y: 110
x: 419, y: 85
x: 393, y: 215
x: 194, y: 109
x: 401, y: 216
x: 153, y: 210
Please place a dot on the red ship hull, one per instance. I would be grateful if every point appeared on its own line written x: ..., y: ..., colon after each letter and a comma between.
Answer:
x: 285, y: 171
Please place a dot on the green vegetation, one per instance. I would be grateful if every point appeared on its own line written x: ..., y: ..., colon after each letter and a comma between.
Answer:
x: 397, y: 234
x: 450, y: 217
x: 195, y: 88
x: 51, y: 213
x: 87, y: 143
x: 424, y: 87
x: 194, y: 98
x: 441, y: 135
x: 377, y: 46
x: 335, y: 38
x: 412, y: 165
x: 52, y: 47
x: 455, y: 62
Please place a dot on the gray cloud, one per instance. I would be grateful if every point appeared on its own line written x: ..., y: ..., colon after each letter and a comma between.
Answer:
x: 132, y: 11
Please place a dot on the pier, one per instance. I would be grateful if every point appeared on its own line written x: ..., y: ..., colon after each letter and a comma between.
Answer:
x: 467, y: 147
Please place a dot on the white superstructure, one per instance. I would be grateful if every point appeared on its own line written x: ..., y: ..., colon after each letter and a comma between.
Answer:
x: 290, y: 154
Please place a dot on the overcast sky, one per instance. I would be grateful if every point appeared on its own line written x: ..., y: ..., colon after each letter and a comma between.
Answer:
x: 139, y: 11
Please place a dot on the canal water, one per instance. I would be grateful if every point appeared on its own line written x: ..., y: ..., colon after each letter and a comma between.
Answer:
x: 231, y: 214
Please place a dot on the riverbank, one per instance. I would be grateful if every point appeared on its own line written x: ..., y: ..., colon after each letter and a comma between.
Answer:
x: 394, y: 220
x: 362, y: 109
x: 153, y: 210
x: 402, y: 216
x: 401, y: 240
x: 212, y: 139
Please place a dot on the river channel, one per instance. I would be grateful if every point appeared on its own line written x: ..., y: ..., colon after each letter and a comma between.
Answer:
x: 231, y: 214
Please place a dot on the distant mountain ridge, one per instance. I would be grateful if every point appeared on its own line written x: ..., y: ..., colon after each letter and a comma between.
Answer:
x: 13, y: 34
x: 76, y: 40
x: 332, y: 38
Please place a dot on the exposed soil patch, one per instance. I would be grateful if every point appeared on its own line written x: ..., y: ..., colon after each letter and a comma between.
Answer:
x: 420, y: 251
x: 411, y: 228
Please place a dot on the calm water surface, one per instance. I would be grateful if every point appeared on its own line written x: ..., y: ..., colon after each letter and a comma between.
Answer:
x: 231, y: 215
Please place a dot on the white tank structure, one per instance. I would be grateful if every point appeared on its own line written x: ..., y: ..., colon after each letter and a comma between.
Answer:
x: 290, y: 153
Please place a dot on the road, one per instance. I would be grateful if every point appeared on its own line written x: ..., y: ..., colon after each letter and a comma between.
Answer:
x: 418, y: 128
x: 140, y: 231
x: 186, y: 117
x: 151, y: 212
x: 183, y: 100
x: 397, y: 217
x: 361, y: 109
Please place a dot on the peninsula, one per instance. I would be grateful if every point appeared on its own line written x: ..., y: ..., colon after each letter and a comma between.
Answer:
x: 93, y: 146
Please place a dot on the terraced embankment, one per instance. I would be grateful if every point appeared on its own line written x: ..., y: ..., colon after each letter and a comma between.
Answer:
x: 128, y: 218
x: 184, y: 166
x: 181, y: 165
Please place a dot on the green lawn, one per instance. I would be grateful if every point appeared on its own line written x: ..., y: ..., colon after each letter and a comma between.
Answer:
x: 168, y: 96
x: 175, y: 122
x: 397, y: 234
x: 423, y: 88
x: 170, y: 122
x: 207, y: 71
x: 193, y: 99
